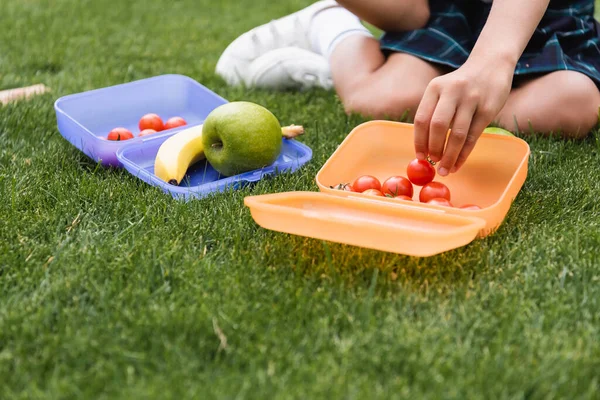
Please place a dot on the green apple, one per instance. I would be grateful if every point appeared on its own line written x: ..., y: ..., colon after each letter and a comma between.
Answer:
x: 241, y: 136
x: 497, y: 131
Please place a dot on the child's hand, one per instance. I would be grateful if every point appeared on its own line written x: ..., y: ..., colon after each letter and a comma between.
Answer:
x: 468, y: 99
x: 465, y: 101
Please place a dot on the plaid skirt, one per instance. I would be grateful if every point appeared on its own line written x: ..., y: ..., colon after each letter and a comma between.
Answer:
x: 567, y: 38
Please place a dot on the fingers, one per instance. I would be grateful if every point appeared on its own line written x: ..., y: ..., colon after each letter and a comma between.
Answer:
x: 440, y: 123
x: 458, y: 137
x: 450, y: 104
x: 422, y: 121
x: 479, y: 123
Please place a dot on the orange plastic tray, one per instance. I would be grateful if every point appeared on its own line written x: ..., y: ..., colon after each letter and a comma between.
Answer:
x: 491, y: 178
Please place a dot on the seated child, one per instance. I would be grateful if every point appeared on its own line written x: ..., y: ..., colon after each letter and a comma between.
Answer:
x: 446, y: 64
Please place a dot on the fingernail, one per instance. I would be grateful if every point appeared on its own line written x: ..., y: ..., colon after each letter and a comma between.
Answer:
x: 421, y: 156
x: 443, y: 171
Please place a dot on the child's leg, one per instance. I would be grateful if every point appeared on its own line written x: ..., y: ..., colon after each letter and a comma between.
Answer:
x: 390, y: 15
x: 370, y: 85
x: 295, y: 51
x: 561, y: 101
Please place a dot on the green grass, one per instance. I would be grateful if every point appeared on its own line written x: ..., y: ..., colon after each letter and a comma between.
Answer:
x: 111, y: 289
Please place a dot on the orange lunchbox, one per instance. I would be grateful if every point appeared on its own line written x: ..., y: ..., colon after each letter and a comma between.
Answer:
x: 491, y: 178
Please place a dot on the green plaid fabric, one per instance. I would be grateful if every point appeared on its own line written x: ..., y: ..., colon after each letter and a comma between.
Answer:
x: 568, y: 37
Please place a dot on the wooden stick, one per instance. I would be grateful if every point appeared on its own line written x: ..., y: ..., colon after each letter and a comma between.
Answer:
x: 6, y: 96
x: 292, y: 131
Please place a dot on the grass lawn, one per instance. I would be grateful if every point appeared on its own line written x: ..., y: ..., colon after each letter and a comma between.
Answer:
x: 111, y: 289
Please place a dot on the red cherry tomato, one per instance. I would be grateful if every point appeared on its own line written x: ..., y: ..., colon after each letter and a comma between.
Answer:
x: 434, y: 190
x: 366, y: 182
x: 440, y: 201
x: 420, y: 172
x: 151, y: 121
x: 403, y: 197
x: 120, y: 134
x: 373, y: 192
x: 146, y: 132
x: 473, y: 207
x: 174, y: 122
x: 397, y: 186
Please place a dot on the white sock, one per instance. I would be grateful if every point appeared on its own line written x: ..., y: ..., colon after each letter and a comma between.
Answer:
x: 332, y: 25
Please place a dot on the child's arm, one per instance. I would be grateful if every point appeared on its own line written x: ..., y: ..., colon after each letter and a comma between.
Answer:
x: 468, y: 99
x: 390, y: 15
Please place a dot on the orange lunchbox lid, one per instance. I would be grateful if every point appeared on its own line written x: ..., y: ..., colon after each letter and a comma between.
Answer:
x: 364, y: 222
x: 491, y: 178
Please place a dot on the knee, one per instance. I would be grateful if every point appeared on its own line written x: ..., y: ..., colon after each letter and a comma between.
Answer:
x: 422, y: 14
x: 579, y: 107
x: 416, y: 15
x: 397, y: 105
x: 572, y: 112
x: 391, y: 15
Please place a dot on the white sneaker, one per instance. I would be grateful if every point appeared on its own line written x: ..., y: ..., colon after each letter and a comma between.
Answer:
x: 289, y: 31
x: 289, y: 68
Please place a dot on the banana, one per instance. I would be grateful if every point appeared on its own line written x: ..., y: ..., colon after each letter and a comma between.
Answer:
x: 184, y: 149
x: 178, y: 153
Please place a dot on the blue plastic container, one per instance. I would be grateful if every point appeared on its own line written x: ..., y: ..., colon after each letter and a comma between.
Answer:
x: 201, y: 179
x: 85, y: 119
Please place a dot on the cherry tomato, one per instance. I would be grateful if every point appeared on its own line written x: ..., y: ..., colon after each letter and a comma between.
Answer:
x: 151, y: 121
x: 174, y: 122
x: 366, y: 182
x: 434, y: 190
x: 146, y: 132
x: 440, y: 201
x: 403, y: 197
x: 373, y: 192
x: 473, y: 207
x: 420, y: 172
x: 120, y: 134
x: 397, y: 186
